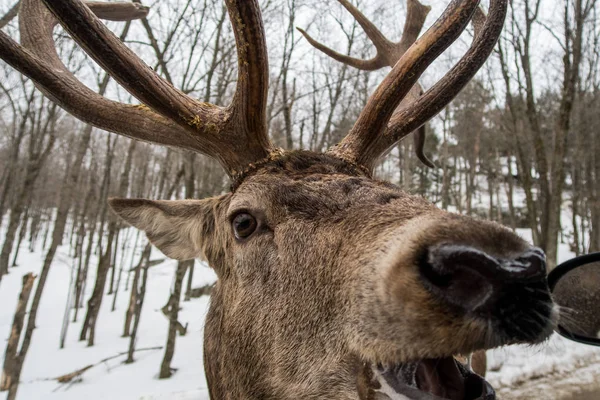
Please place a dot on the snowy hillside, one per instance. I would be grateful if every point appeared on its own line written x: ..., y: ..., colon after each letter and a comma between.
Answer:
x: 112, y: 380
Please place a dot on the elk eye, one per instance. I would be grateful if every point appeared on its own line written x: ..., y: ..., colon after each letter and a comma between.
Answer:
x: 244, y: 225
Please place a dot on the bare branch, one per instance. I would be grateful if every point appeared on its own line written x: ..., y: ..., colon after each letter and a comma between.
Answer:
x: 76, y: 374
x: 10, y: 15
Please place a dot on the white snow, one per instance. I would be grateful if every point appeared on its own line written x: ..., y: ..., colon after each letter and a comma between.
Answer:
x: 112, y: 380
x: 556, y: 368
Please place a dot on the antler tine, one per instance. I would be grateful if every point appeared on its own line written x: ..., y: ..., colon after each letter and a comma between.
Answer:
x: 388, y: 52
x: 382, y: 44
x: 250, y: 101
x: 478, y: 22
x: 419, y: 135
x: 39, y: 61
x: 362, y: 144
x: 419, y: 142
x: 234, y: 135
x: 121, y: 12
x: 373, y: 64
x: 416, y: 14
x: 437, y: 97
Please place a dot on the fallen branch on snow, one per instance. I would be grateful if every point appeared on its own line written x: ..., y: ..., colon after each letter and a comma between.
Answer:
x: 76, y: 374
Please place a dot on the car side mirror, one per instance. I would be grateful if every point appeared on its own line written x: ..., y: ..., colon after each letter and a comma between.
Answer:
x: 575, y: 286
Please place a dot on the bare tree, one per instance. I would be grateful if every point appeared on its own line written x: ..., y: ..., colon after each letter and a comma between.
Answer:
x: 41, y: 141
x: 137, y: 299
x: 13, y: 358
x: 105, y: 261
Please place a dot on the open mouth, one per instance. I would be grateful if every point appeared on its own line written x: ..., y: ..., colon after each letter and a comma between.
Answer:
x: 432, y: 379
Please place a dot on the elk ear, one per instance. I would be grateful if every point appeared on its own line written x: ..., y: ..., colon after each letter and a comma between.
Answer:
x: 178, y: 228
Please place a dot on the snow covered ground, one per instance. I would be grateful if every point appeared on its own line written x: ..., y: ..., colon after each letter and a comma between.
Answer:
x: 554, y: 370
x: 558, y: 367
x: 112, y: 380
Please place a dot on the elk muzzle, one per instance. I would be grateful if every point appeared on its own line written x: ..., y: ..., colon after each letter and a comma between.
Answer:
x: 512, y: 293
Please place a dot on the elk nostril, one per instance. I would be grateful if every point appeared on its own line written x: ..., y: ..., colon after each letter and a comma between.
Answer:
x: 470, y: 279
x: 529, y: 265
x: 457, y: 275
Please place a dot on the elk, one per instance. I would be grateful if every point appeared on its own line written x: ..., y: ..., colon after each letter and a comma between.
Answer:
x: 331, y: 284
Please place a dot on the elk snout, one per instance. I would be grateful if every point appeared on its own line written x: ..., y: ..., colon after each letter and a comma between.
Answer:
x: 475, y: 282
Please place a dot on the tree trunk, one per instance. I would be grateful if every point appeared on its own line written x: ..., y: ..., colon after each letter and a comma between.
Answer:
x: 68, y: 306
x: 34, y: 229
x: 139, y: 303
x: 14, y: 221
x: 172, y: 310
x: 10, y: 370
x: 121, y: 266
x: 188, y: 290
x: 95, y: 300
x: 133, y: 298
x: 22, y: 232
x: 113, y: 264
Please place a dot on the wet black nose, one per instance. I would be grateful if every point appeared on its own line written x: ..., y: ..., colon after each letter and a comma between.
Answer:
x: 473, y: 280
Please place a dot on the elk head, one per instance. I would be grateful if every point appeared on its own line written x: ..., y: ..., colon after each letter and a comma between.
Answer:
x: 331, y: 284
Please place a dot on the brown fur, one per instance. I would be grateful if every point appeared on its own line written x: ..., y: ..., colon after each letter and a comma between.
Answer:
x: 326, y: 286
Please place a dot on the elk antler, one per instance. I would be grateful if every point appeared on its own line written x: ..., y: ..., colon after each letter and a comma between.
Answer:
x: 388, y: 53
x: 371, y: 136
x: 235, y: 135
